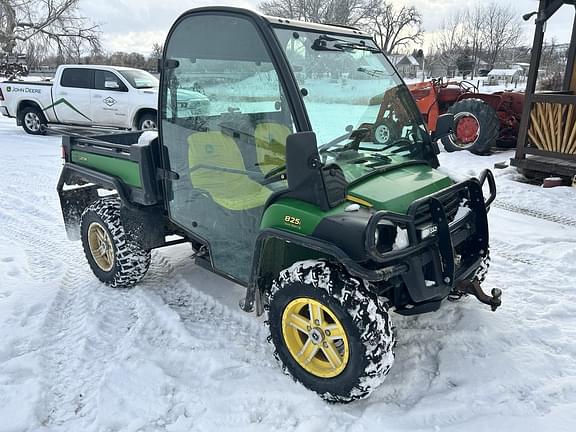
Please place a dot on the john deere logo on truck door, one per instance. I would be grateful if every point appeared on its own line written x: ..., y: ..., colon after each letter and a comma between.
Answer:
x: 109, y: 101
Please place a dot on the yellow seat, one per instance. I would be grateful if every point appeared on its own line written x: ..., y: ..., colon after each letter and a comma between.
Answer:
x: 210, y: 151
x: 270, y: 141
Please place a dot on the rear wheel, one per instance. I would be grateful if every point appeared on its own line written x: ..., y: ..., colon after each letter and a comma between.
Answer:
x: 113, y: 257
x: 32, y: 120
x: 330, y: 333
x: 476, y: 126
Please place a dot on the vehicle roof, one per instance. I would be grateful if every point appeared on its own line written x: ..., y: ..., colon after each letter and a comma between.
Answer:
x: 90, y: 66
x: 282, y: 22
x: 328, y: 28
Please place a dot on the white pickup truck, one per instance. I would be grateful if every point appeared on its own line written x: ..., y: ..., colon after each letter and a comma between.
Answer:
x: 90, y: 95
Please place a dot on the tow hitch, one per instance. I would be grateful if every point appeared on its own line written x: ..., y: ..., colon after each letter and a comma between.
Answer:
x: 473, y: 287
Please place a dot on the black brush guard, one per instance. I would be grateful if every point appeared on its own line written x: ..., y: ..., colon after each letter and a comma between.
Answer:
x: 429, y: 266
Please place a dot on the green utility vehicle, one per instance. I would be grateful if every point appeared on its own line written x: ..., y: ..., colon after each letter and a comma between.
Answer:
x: 282, y: 187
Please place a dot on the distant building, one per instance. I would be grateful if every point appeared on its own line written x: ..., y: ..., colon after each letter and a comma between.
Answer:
x: 406, y: 65
x: 504, y: 76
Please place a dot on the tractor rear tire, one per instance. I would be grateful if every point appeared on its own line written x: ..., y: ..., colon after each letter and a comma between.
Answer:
x: 476, y: 127
x: 114, y: 258
x: 330, y: 332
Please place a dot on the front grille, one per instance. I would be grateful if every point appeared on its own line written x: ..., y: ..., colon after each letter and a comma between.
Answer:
x: 451, y: 203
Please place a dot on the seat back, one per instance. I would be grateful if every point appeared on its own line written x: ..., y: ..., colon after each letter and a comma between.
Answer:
x: 270, y: 141
x: 213, y: 149
x: 209, y: 155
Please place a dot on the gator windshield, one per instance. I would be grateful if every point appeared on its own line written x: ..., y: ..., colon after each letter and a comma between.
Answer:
x: 355, y: 101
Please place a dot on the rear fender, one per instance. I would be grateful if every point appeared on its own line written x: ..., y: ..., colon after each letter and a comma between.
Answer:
x: 493, y: 100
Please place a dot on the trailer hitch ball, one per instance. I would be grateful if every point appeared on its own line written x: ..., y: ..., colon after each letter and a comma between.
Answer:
x: 473, y: 287
x: 496, y: 301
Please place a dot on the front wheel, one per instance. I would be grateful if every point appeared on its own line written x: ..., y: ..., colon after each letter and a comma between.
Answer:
x: 385, y: 131
x: 330, y: 333
x: 33, y: 120
x: 115, y: 259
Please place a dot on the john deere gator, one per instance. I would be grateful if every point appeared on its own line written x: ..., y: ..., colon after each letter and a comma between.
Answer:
x: 311, y: 181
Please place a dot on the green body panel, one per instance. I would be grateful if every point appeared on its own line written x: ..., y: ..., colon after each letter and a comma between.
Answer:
x: 125, y: 170
x: 296, y: 216
x: 393, y: 191
x: 396, y: 190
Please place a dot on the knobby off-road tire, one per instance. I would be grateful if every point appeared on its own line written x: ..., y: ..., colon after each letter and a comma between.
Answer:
x: 473, y: 110
x: 355, y: 327
x: 32, y: 119
x: 113, y: 257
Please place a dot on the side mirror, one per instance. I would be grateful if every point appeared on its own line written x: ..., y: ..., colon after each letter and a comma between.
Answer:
x: 444, y: 127
x: 112, y: 85
x: 308, y: 179
x: 302, y: 159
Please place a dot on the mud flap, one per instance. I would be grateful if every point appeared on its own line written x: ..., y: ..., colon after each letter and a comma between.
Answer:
x: 73, y: 202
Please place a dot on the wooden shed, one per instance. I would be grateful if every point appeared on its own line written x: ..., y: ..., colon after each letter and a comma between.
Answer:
x: 547, y: 137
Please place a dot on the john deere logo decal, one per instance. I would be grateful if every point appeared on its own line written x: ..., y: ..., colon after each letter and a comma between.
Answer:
x: 8, y: 89
x: 109, y: 101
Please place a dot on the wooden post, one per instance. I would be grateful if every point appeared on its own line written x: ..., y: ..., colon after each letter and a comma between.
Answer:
x: 570, y: 75
x: 531, y: 82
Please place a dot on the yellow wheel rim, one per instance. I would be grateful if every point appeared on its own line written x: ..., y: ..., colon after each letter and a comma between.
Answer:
x: 315, y: 337
x: 101, y: 246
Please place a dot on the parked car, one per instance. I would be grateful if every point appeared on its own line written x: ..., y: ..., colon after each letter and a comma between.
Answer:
x: 90, y: 95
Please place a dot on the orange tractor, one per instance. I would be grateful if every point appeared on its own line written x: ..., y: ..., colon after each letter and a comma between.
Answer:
x: 481, y: 120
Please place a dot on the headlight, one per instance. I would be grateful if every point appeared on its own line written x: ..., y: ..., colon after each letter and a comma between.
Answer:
x: 385, y: 236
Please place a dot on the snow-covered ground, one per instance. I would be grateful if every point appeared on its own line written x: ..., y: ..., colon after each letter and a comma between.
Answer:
x: 177, y: 354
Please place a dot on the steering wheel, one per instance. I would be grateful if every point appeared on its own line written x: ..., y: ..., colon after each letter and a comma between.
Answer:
x: 402, y: 144
x: 468, y: 87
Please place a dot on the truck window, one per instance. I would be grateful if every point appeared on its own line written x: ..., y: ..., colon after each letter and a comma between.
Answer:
x: 78, y: 78
x: 105, y: 80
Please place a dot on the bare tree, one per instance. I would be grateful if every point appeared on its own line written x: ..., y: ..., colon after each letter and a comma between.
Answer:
x: 450, y: 39
x: 343, y: 12
x: 502, y: 30
x: 490, y: 30
x: 475, y: 21
x: 395, y: 27
x: 49, y: 24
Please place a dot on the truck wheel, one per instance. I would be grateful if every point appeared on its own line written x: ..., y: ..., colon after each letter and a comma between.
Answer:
x: 113, y: 257
x: 476, y: 127
x: 147, y: 121
x: 32, y: 120
x: 329, y: 332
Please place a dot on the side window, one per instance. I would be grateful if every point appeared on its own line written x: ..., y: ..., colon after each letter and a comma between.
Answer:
x: 224, y: 121
x: 105, y: 80
x: 77, y: 78
x: 227, y: 83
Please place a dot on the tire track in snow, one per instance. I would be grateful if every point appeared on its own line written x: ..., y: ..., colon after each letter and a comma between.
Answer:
x: 47, y: 248
x: 201, y: 314
x: 539, y: 214
x: 91, y: 327
x: 85, y: 331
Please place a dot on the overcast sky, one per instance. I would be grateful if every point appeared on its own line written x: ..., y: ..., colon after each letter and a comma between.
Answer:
x: 134, y: 25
